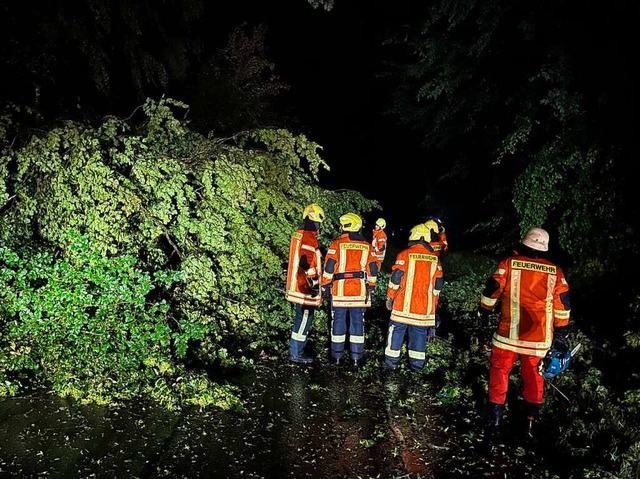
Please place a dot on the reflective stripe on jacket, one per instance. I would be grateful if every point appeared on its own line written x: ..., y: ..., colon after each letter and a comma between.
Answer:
x: 534, y: 296
x: 414, y: 286
x: 305, y: 261
x: 379, y: 243
x: 350, y: 253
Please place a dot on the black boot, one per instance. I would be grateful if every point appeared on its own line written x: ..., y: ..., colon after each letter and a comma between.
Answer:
x: 495, y: 415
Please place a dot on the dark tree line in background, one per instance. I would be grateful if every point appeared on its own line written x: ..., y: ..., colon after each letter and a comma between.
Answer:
x: 526, y: 109
x: 101, y: 57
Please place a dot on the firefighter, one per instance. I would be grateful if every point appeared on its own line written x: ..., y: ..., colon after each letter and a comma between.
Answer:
x: 303, y: 280
x: 379, y: 241
x: 439, y: 244
x: 534, y: 309
x: 349, y: 278
x: 412, y: 297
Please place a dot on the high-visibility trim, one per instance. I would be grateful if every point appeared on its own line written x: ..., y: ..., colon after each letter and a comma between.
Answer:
x: 299, y: 337
x: 414, y: 322
x: 521, y: 347
x: 356, y: 339
x: 304, y: 299
x: 490, y: 302
x: 292, y: 286
x: 338, y: 338
x: 408, y: 315
x: 411, y: 271
x: 514, y: 305
x: 421, y: 355
x: 562, y: 314
x: 308, y: 248
x: 392, y: 353
x: 393, y: 286
x: 388, y: 350
x: 362, y: 303
x: 311, y: 272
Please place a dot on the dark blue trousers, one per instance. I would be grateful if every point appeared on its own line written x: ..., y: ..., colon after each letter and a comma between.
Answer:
x: 339, y: 332
x: 416, y: 347
x: 301, y: 325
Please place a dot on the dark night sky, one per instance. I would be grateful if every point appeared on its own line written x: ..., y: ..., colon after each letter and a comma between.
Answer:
x: 331, y: 61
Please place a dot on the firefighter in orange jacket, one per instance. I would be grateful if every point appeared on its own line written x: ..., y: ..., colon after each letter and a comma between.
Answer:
x: 439, y: 244
x: 349, y: 277
x: 534, y: 313
x: 412, y: 297
x: 303, y: 280
x: 379, y: 241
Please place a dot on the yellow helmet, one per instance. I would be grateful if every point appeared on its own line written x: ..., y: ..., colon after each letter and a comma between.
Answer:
x: 432, y: 225
x: 381, y: 223
x: 420, y: 231
x: 314, y: 213
x: 351, y: 222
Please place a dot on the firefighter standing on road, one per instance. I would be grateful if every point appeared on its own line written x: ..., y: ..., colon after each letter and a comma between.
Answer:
x: 412, y: 297
x: 534, y: 313
x: 379, y: 241
x: 349, y: 277
x: 303, y: 280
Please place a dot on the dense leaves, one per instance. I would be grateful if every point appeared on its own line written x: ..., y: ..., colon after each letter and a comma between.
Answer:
x: 82, y: 325
x: 219, y: 214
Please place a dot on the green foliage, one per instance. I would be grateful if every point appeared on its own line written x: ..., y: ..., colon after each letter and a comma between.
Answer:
x: 83, y: 324
x: 218, y: 212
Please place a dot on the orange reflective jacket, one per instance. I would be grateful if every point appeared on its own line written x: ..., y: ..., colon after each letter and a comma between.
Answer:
x: 350, y: 266
x: 441, y: 245
x: 414, y: 286
x: 305, y: 261
x: 534, y: 296
x: 379, y: 243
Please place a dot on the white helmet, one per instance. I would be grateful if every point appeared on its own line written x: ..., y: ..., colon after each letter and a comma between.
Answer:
x: 536, y: 238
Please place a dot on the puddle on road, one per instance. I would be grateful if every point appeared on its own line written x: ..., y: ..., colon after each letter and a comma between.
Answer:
x: 303, y: 421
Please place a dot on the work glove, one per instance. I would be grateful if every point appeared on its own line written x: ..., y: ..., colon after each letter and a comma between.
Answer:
x: 326, y: 292
x: 314, y: 286
x: 560, y: 339
x: 389, y: 304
